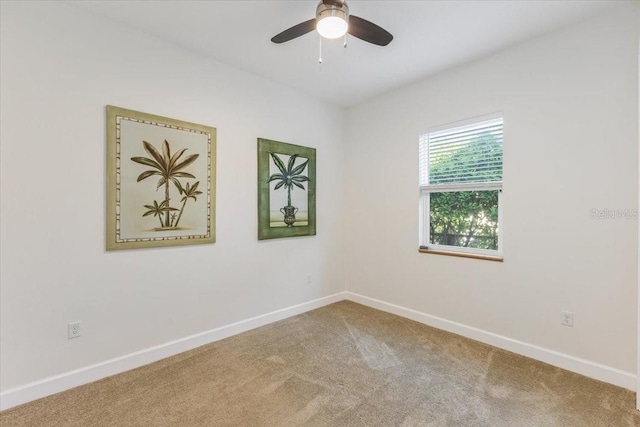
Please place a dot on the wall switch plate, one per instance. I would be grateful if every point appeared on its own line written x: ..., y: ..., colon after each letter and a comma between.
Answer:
x: 309, y: 278
x: 567, y: 318
x: 73, y: 330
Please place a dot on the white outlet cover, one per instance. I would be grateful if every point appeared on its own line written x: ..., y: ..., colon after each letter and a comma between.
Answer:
x: 567, y: 318
x: 73, y: 330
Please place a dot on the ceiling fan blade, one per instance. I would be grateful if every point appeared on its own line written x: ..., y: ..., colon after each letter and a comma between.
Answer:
x: 368, y: 31
x: 295, y: 31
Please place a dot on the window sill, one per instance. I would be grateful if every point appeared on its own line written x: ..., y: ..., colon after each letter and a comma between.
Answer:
x: 461, y: 254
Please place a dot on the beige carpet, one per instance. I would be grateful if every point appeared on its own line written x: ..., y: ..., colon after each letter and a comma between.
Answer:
x: 341, y: 365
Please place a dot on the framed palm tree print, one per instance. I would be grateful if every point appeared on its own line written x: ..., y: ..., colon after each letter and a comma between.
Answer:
x: 160, y: 181
x: 286, y: 190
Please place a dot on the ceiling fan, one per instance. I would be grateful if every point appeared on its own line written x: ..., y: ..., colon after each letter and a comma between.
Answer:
x: 333, y: 21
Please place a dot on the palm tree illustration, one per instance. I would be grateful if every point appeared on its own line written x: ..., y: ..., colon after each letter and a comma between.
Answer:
x: 188, y: 193
x: 289, y: 175
x: 158, y: 209
x: 168, y: 167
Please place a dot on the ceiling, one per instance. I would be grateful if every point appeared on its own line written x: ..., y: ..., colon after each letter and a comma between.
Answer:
x: 429, y: 37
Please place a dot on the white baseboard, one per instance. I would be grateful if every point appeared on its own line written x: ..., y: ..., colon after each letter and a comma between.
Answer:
x: 68, y: 380
x: 561, y: 360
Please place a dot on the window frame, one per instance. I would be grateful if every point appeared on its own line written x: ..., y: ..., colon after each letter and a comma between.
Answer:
x: 426, y: 190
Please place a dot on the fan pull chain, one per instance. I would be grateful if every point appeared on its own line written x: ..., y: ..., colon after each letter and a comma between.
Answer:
x: 320, y: 48
x: 345, y: 40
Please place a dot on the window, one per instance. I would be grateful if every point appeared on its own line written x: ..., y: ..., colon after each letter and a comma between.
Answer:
x: 460, y: 189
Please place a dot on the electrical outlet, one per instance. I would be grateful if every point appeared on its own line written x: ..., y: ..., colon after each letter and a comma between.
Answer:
x: 567, y: 318
x: 309, y: 278
x: 73, y: 330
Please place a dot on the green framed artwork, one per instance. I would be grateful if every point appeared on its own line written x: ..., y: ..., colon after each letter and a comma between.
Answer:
x: 161, y: 181
x: 286, y: 190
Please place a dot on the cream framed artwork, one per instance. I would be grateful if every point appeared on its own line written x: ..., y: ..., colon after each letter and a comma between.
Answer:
x: 161, y: 181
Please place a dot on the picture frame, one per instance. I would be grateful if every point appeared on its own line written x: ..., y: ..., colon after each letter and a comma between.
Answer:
x: 286, y: 190
x: 161, y: 181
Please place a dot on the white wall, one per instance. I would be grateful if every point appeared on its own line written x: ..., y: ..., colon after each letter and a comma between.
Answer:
x: 60, y: 67
x: 570, y: 105
x: 638, y: 263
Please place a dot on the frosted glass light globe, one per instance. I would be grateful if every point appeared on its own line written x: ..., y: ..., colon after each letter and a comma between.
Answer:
x: 332, y: 27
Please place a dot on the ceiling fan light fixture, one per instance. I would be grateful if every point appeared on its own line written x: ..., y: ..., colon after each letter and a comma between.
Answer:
x: 331, y: 20
x: 338, y: 23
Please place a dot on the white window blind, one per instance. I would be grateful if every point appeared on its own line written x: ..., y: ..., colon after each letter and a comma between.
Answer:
x: 462, y: 155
